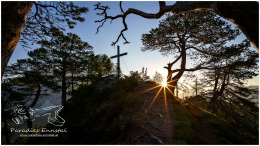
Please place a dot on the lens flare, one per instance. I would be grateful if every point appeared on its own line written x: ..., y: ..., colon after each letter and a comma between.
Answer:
x: 164, y: 83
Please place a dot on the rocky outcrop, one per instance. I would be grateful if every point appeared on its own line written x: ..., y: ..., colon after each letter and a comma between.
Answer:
x: 13, y: 16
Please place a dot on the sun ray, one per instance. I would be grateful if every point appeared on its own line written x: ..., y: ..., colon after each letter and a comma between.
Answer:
x: 150, y: 89
x: 172, y: 93
x: 169, y: 75
x: 162, y: 85
x: 173, y: 80
x: 166, y: 106
x: 171, y: 86
x: 179, y: 101
x: 165, y: 99
x: 154, y: 99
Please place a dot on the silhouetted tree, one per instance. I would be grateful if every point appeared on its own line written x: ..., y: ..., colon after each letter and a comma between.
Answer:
x: 144, y: 75
x: 188, y: 35
x: 10, y: 97
x: 44, y: 19
x: 94, y: 67
x: 30, y: 74
x: 140, y: 76
x: 247, y: 19
x: 158, y: 78
x: 227, y: 91
x: 61, y: 53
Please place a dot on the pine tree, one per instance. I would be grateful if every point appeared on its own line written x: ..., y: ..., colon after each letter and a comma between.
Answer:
x: 62, y: 54
x: 188, y: 35
x: 28, y: 75
x: 226, y: 83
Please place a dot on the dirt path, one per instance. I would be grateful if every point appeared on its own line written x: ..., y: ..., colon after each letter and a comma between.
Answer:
x: 154, y: 121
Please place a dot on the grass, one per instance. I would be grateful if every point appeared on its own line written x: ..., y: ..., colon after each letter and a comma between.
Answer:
x: 94, y: 118
x: 183, y: 128
x: 198, y: 127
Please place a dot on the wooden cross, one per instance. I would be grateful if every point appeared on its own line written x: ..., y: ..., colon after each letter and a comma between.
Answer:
x: 118, y: 60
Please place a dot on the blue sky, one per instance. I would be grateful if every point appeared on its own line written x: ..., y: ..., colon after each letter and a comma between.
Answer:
x: 101, y: 42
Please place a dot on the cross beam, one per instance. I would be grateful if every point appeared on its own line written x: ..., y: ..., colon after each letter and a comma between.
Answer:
x: 118, y: 55
x: 118, y: 60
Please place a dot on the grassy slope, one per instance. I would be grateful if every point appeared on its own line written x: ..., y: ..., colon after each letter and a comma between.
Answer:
x: 121, y: 115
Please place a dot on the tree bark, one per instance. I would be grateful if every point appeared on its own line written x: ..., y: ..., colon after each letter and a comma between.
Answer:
x: 13, y: 16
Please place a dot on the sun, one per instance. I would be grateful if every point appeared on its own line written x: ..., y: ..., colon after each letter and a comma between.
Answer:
x: 164, y: 83
x: 163, y: 86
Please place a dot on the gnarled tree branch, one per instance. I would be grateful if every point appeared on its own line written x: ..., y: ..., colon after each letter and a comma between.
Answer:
x: 245, y: 15
x: 201, y: 68
x: 163, y: 9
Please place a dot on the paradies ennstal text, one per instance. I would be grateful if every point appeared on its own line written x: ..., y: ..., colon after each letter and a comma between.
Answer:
x: 39, y: 130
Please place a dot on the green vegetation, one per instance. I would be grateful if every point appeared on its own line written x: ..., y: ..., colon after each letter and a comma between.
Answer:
x: 93, y: 115
x: 199, y: 127
x: 107, y: 117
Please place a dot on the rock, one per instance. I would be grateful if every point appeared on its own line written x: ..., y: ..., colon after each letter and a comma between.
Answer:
x: 156, y: 139
x: 159, y: 115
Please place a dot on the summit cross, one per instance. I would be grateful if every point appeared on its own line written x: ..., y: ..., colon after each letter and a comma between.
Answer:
x: 118, y: 59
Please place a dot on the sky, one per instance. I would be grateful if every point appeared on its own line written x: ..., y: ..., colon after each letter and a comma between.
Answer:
x: 101, y: 42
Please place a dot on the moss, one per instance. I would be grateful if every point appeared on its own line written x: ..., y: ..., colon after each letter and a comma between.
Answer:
x: 183, y: 128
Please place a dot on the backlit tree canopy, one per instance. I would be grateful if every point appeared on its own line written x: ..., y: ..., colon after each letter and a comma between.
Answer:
x: 195, y: 30
x: 49, y: 16
x: 190, y: 34
x: 37, y: 20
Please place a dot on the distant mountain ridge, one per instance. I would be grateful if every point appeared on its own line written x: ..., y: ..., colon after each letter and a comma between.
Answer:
x: 255, y: 96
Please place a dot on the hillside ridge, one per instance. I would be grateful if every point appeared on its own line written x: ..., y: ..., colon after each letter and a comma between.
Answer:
x: 123, y: 114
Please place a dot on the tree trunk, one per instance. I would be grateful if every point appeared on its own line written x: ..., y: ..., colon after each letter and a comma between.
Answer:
x: 72, y: 82
x: 37, y: 96
x: 176, y: 78
x: 63, y: 86
x: 29, y: 122
x: 217, y: 94
x: 13, y: 19
x: 169, y: 68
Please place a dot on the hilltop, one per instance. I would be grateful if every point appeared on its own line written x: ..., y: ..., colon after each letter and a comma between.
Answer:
x: 120, y: 114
